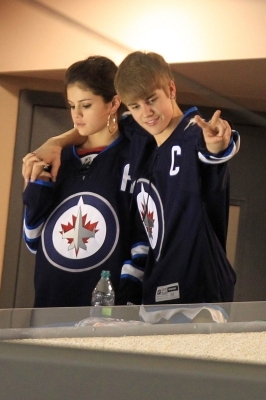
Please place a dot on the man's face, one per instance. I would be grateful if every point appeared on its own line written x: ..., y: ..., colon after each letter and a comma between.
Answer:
x: 154, y: 113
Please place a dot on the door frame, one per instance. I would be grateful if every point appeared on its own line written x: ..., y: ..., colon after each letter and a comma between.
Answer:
x: 28, y: 99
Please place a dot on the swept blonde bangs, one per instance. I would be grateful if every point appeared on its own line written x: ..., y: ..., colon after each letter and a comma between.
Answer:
x: 140, y: 74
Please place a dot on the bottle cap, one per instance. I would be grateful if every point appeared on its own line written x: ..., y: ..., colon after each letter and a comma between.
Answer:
x: 105, y: 274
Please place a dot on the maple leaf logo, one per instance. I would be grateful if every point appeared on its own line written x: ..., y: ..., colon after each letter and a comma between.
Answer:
x: 78, y: 232
x: 147, y: 218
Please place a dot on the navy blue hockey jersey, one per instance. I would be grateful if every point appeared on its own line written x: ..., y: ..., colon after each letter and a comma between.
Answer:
x: 182, y: 193
x: 81, y: 225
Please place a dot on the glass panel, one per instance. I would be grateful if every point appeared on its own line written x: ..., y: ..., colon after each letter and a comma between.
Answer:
x: 132, y: 320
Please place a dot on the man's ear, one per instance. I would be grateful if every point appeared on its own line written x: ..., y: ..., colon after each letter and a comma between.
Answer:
x: 115, y: 104
x: 172, y: 88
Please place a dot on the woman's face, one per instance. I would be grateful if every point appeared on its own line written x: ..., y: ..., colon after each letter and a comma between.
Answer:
x: 88, y: 111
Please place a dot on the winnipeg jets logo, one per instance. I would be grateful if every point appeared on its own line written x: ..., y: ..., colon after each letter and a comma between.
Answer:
x: 74, y: 234
x: 78, y: 232
x: 81, y: 233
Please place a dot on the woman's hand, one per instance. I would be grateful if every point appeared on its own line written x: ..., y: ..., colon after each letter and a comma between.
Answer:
x: 34, y: 168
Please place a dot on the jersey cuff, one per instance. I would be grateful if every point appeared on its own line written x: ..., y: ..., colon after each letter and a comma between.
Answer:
x: 225, y: 155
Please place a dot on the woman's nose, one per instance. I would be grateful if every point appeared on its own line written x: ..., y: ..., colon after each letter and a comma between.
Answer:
x: 76, y: 112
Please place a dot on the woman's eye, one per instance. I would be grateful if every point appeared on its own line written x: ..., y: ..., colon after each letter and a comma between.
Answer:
x: 86, y: 105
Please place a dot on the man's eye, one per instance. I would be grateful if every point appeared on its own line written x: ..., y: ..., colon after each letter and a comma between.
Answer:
x: 152, y: 100
x: 134, y: 107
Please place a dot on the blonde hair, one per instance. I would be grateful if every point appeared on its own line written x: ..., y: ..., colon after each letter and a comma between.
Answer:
x: 140, y: 74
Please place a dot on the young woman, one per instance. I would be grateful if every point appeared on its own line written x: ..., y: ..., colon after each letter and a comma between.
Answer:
x: 82, y: 223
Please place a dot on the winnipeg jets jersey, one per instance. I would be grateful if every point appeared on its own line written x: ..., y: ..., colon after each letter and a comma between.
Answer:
x: 81, y: 225
x: 182, y: 193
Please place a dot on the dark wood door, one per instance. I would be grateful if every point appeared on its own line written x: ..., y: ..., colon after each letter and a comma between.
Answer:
x: 248, y: 192
x: 41, y: 115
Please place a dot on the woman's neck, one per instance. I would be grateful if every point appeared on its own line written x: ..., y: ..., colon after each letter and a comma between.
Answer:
x: 100, y: 140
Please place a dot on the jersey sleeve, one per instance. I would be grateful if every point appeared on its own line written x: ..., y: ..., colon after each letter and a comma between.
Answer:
x: 132, y: 272
x: 37, y: 198
x: 223, y: 156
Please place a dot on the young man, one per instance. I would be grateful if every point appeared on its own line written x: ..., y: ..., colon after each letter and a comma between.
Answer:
x: 178, y: 166
x: 181, y: 186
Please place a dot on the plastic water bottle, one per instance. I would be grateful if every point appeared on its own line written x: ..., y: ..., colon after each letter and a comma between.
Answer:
x: 103, y: 294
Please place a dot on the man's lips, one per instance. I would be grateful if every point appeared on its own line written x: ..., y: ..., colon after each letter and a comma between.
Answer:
x: 152, y: 122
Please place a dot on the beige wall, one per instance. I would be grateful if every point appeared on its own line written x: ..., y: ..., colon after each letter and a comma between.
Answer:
x: 51, y: 34
x: 33, y: 39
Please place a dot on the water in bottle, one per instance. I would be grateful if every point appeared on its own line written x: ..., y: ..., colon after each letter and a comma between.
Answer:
x: 103, y: 294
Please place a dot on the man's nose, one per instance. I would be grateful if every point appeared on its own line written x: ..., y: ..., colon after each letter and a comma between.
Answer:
x: 147, y: 110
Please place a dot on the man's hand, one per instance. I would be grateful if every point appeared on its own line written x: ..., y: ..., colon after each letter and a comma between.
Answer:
x: 217, y: 132
x: 49, y: 154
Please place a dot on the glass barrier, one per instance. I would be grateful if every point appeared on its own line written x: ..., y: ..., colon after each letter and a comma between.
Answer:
x: 132, y: 320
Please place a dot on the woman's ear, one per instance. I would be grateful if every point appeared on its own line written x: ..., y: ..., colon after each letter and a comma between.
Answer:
x: 115, y: 104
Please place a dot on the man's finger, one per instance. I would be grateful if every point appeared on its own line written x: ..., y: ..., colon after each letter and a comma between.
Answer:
x: 200, y: 122
x: 54, y: 170
x: 214, y: 120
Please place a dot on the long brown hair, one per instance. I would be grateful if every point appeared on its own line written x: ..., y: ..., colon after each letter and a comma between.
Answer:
x: 97, y: 74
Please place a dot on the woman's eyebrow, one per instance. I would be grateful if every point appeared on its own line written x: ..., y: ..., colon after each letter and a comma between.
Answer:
x: 79, y: 101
